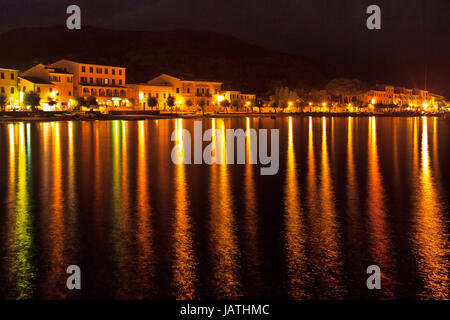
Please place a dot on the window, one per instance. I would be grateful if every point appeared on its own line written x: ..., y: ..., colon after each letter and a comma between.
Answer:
x: 106, y: 81
x: 3, y: 90
x: 12, y: 76
x: 120, y: 72
x: 99, y: 70
x: 113, y: 81
x: 51, y: 89
x: 2, y: 75
x: 99, y: 81
x: 91, y: 69
x: 178, y: 90
x: 113, y: 71
x: 188, y: 90
x: 91, y: 80
x: 83, y: 69
x: 106, y: 71
x: 12, y: 90
x: 120, y: 82
x: 70, y: 93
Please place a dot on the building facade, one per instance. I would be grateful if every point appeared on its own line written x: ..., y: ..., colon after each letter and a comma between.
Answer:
x: 106, y: 83
x: 401, y: 97
x: 139, y: 94
x: 45, y: 89
x: 190, y: 94
x: 9, y: 87
x: 62, y: 80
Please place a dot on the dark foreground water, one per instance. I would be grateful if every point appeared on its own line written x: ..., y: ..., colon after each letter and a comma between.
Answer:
x: 105, y: 196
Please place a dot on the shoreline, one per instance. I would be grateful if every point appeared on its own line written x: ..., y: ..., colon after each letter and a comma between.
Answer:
x: 132, y: 116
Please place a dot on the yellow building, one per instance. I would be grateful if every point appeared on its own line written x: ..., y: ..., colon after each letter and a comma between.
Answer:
x: 106, y: 83
x: 239, y: 101
x: 401, y: 97
x: 45, y: 89
x: 189, y: 93
x: 139, y: 93
x: 8, y: 87
x: 62, y: 80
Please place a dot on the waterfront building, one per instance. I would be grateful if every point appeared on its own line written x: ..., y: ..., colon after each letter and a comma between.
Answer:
x: 190, y: 93
x: 139, y: 94
x: 9, y: 88
x: 239, y: 101
x: 106, y: 83
x: 401, y: 97
x: 62, y: 81
x: 44, y: 88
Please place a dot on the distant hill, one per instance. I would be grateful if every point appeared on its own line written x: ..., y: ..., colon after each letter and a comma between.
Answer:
x: 205, y: 55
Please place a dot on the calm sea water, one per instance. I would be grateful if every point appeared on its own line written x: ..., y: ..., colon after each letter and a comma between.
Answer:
x: 105, y: 196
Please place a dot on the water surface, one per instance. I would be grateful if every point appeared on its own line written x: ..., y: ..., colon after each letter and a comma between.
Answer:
x: 104, y: 195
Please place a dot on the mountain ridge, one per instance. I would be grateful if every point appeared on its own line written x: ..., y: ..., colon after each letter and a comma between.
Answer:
x: 145, y: 54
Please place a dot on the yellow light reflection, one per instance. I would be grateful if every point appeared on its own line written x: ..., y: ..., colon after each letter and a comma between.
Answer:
x: 185, y: 276
x: 327, y: 244
x: 380, y: 247
x: 224, y: 252
x: 251, y: 220
x: 23, y: 269
x: 430, y: 240
x: 294, y: 225
x: 145, y: 256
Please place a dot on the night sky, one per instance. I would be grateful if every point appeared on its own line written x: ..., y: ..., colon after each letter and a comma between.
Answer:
x: 413, y: 44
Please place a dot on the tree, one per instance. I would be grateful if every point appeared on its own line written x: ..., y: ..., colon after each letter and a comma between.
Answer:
x: 225, y: 104
x: 283, y: 96
x: 201, y: 104
x: 274, y: 105
x: 170, y: 102
x: 235, y: 104
x: 79, y: 102
x: 346, y: 89
x: 32, y: 99
x: 152, y: 102
x: 3, y: 101
x: 259, y: 104
x: 91, y: 102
